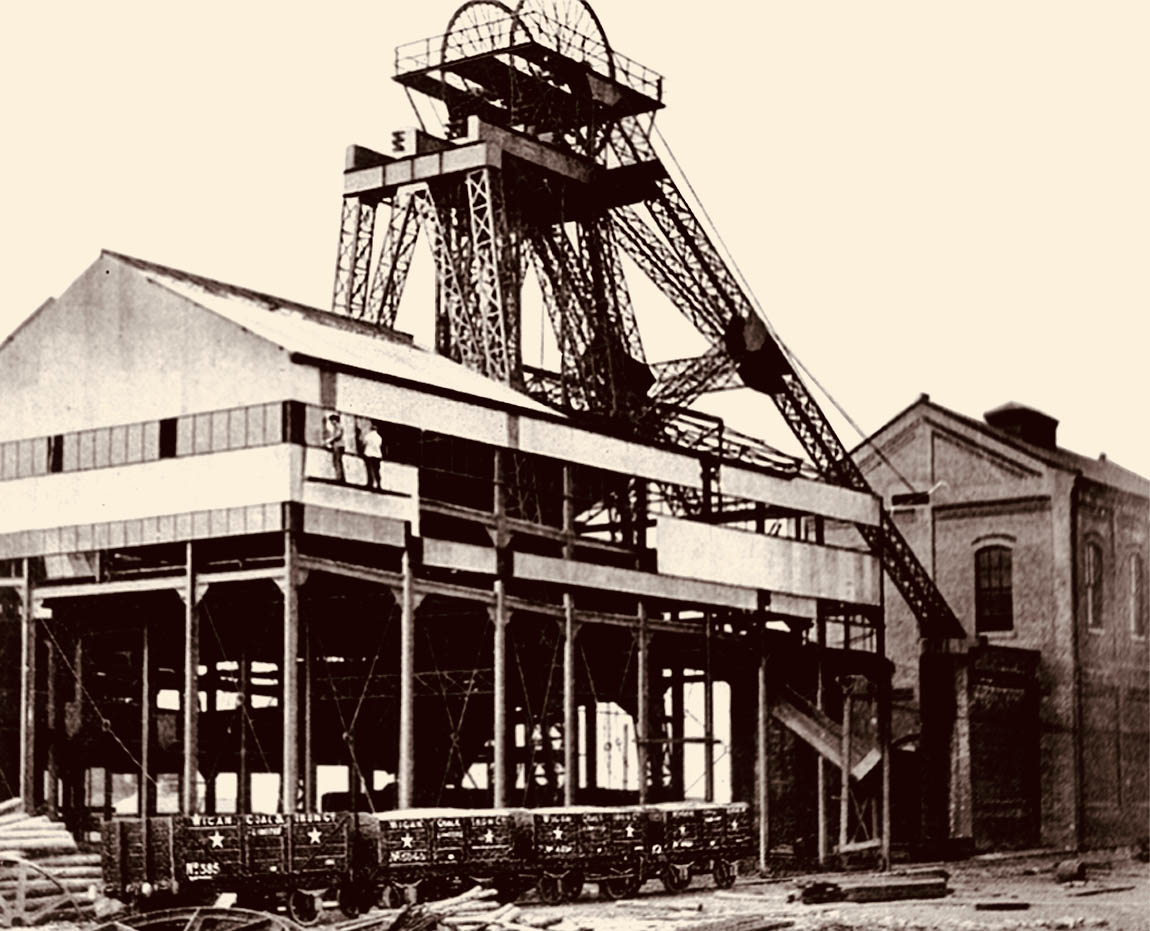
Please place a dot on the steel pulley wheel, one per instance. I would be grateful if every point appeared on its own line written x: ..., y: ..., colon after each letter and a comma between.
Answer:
x: 201, y: 919
x: 571, y: 28
x: 305, y: 907
x: 723, y: 872
x: 481, y: 26
x: 675, y: 877
x: 30, y: 894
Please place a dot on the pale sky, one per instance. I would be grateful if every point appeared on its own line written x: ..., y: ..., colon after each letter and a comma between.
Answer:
x: 935, y: 197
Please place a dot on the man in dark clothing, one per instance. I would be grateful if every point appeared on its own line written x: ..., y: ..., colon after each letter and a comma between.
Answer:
x: 333, y: 440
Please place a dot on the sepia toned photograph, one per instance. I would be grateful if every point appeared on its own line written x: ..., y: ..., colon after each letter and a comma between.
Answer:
x: 575, y: 464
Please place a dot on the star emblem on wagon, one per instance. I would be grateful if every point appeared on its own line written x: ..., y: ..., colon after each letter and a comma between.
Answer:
x: 682, y: 829
x: 408, y: 840
x: 558, y: 833
x: 630, y: 830
x: 217, y: 840
x: 313, y: 835
x: 489, y: 837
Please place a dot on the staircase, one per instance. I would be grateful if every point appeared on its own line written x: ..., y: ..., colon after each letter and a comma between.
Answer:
x: 824, y: 734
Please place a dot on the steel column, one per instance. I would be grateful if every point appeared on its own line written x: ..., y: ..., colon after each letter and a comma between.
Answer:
x: 289, y: 679
x: 499, y: 722
x: 642, y: 713
x: 570, y: 725
x: 820, y: 762
x: 763, y: 755
x: 845, y: 793
x: 243, y: 777
x: 309, y: 798
x: 28, y: 694
x: 191, y: 697
x: 708, y: 718
x: 145, y: 715
x: 884, y: 724
x: 406, y: 687
x: 53, y: 731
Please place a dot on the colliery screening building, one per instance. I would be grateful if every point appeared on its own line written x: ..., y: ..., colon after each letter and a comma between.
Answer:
x: 197, y: 616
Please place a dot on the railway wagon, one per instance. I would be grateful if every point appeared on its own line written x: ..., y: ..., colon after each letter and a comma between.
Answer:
x: 416, y: 854
x: 264, y: 858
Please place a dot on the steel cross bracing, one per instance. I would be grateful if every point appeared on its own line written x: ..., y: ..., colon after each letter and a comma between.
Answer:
x: 395, y: 256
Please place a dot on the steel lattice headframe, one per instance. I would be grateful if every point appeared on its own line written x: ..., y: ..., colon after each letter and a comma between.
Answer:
x: 548, y: 164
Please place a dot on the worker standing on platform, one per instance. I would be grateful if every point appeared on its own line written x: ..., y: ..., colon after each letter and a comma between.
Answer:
x: 333, y: 440
x: 373, y: 456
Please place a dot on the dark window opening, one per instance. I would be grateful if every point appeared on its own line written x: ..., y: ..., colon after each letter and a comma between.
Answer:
x: 1092, y: 583
x: 168, y: 438
x: 993, y: 590
x: 1139, y: 607
x: 56, y: 453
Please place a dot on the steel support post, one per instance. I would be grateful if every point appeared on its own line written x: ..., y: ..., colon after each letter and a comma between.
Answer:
x: 191, y: 697
x: 499, y: 718
x: 643, y: 705
x: 820, y: 761
x: 570, y: 723
x: 145, y: 716
x: 406, y: 686
x: 28, y: 693
x: 884, y: 725
x: 845, y: 787
x: 678, y: 720
x: 289, y: 679
x: 708, y: 717
x: 53, y: 731
x: 763, y: 758
x: 243, y: 702
x: 591, y: 744
x: 309, y: 790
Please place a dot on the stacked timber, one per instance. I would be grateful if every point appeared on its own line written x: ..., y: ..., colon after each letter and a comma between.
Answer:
x: 31, y: 836
x: 474, y: 910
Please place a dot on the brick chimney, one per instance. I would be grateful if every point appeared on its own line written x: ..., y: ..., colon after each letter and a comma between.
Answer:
x: 1024, y: 423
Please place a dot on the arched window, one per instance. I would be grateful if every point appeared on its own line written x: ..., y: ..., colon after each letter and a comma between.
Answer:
x: 1092, y: 585
x: 993, y: 590
x: 1138, y: 603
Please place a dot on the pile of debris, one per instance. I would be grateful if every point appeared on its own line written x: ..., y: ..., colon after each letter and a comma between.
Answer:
x: 474, y: 910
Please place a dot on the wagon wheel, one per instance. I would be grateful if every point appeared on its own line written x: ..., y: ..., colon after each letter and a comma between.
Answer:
x: 571, y: 28
x: 621, y: 885
x: 305, y: 907
x: 723, y: 872
x: 676, y: 877
x: 571, y: 884
x: 550, y: 888
x: 201, y: 919
x: 390, y: 896
x: 30, y: 895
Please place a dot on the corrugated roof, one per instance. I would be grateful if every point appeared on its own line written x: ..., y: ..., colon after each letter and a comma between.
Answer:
x: 331, y: 338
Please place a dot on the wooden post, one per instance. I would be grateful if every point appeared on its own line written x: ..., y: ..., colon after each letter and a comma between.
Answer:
x: 145, y: 716
x: 51, y: 715
x: 763, y: 753
x: 406, y: 775
x: 820, y: 760
x: 289, y: 679
x: 642, y: 714
x: 28, y: 693
x: 708, y: 716
x: 568, y: 512
x: 570, y: 722
x: 189, y: 803
x: 845, y: 797
x: 499, y: 717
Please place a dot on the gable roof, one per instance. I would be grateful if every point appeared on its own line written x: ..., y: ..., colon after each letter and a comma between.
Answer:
x: 1101, y: 471
x: 327, y: 337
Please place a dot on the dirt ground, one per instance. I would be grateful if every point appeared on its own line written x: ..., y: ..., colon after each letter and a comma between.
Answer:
x: 1026, y: 880
x: 1115, y: 896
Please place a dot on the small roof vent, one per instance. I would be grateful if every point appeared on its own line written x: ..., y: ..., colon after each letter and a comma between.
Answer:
x: 1024, y: 423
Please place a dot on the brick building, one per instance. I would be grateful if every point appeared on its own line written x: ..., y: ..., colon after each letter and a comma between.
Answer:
x: 1039, y: 720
